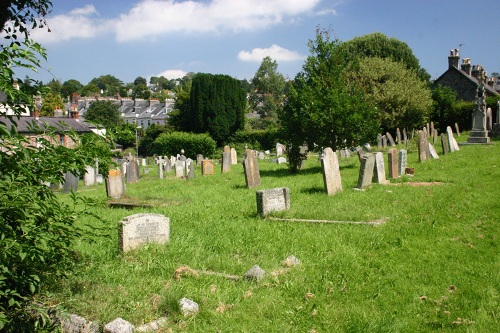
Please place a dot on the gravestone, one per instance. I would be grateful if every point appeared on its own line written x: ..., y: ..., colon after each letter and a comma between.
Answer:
x: 188, y: 164
x: 435, y: 136
x: 199, y: 158
x: 361, y: 153
x: 273, y: 200
x: 260, y: 155
x: 251, y: 168
x: 457, y: 129
x: 451, y: 144
x: 392, y: 162
x: 428, y: 130
x: 384, y: 141
x: 160, y: 168
x: 167, y: 165
x: 432, y: 130
x: 132, y: 171
x: 379, y: 141
x: 144, y: 162
x: 207, y: 167
x: 234, y: 157
x: 180, y: 167
x: 402, y: 161
x: 281, y: 160
x: 405, y: 138
x: 489, y: 119
x: 342, y: 153
x: 190, y: 170
x: 391, y: 140
x: 226, y: 160
x: 89, y: 178
x: 422, y: 146
x: 398, y: 135
x: 115, y: 187
x: 433, y: 152
x: 139, y: 229
x: 279, y: 149
x: 379, y: 169
x: 331, y: 172
x: 366, y: 171
x: 479, y: 132
x: 172, y: 160
x: 99, y: 178
x: 70, y: 182
x: 444, y: 144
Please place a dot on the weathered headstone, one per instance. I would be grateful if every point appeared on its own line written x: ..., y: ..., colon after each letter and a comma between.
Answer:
x: 398, y: 135
x: 160, y: 167
x: 402, y: 162
x: 384, y: 141
x: 366, y: 171
x: 133, y: 171
x: 190, y: 174
x: 279, y: 149
x: 89, y: 178
x: 251, y: 167
x: 422, y: 146
x: 115, y: 187
x: 199, y: 158
x: 479, y: 132
x: 281, y: 160
x: 379, y: 169
x: 432, y: 130
x: 180, y: 167
x: 444, y: 144
x: 379, y: 141
x: 331, y: 172
x: 139, y: 229
x: 433, y: 152
x: 70, y: 182
x: 167, y: 165
x: 207, y: 167
x: 234, y: 157
x: 273, y: 200
x: 144, y: 162
x: 451, y: 144
x: 226, y: 160
x: 188, y: 164
x: 435, y: 136
x: 361, y: 153
x: 428, y: 130
x: 99, y: 179
x: 260, y: 155
x: 391, y: 140
x: 405, y: 138
x: 392, y: 162
x: 489, y: 119
x: 457, y: 129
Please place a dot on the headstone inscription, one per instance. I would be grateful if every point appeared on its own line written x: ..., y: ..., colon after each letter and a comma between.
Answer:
x: 115, y: 187
x: 226, y: 160
x: 251, y: 167
x: 392, y: 162
x: 366, y: 171
x: 273, y: 200
x: 89, y: 178
x: 331, y: 172
x: 70, y: 182
x: 379, y: 169
x: 139, y: 229
x: 402, y: 162
x: 207, y: 167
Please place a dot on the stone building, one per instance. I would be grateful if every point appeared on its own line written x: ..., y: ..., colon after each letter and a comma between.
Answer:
x: 464, y: 79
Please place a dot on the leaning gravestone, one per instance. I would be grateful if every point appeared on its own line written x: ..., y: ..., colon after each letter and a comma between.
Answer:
x: 398, y: 135
x: 402, y: 162
x: 115, y: 187
x: 379, y: 169
x: 273, y: 200
x: 251, y: 167
x: 384, y: 141
x: 139, y: 229
x: 331, y: 172
x: 451, y: 145
x: 432, y: 151
x: 89, y: 178
x: 392, y: 161
x: 390, y: 138
x: 207, y: 167
x: 366, y: 171
x: 226, y: 160
x: 70, y: 182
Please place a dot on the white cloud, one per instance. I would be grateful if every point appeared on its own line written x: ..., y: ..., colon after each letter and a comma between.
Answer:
x: 327, y: 12
x: 276, y: 52
x: 151, y: 18
x: 172, y: 74
x: 76, y: 24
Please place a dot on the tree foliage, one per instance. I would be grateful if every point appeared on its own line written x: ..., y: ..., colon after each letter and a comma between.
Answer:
x: 51, y: 102
x: 267, y: 94
x: 444, y: 100
x: 105, y: 113
x: 324, y: 108
x: 401, y: 98
x: 109, y: 84
x: 379, y: 45
x: 146, y: 145
x: 193, y: 144
x: 70, y: 87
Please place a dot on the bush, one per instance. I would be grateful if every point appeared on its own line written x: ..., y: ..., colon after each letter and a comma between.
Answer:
x: 172, y: 143
x: 256, y: 139
x: 462, y: 115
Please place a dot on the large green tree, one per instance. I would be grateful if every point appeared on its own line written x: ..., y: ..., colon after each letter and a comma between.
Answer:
x: 108, y: 84
x: 323, y: 107
x: 70, y: 87
x: 401, y: 98
x: 51, y: 102
x: 267, y: 94
x: 105, y: 113
x: 380, y: 46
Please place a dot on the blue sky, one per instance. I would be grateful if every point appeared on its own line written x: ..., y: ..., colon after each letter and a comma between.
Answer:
x: 131, y: 38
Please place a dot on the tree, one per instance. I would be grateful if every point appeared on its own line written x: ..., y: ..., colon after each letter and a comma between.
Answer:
x: 444, y: 100
x: 324, y: 108
x: 90, y: 90
x: 146, y: 145
x: 380, y: 46
x: 401, y: 98
x: 141, y: 91
x: 70, y: 87
x: 140, y: 80
x: 267, y: 94
x: 124, y: 135
x: 216, y: 105
x: 105, y: 113
x: 109, y: 84
x: 50, y: 103
x: 55, y: 86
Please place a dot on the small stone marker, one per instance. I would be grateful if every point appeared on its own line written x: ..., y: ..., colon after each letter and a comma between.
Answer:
x: 70, y: 182
x: 331, y: 172
x: 226, y: 160
x: 139, y: 229
x: 366, y: 171
x: 251, y: 168
x: 118, y: 325
x: 392, y: 161
x: 115, y: 187
x: 390, y: 138
x: 273, y: 200
x: 444, y: 144
x: 379, y: 169
x: 89, y: 178
x: 281, y: 160
x: 402, y: 162
x: 188, y: 307
x: 432, y: 151
x: 234, y: 157
x: 152, y: 325
x: 422, y: 146
x: 255, y: 273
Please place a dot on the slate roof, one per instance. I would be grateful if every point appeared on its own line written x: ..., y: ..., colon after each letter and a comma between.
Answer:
x: 25, y: 123
x: 473, y: 80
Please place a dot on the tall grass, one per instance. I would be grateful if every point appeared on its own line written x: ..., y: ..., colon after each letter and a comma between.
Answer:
x: 434, y: 265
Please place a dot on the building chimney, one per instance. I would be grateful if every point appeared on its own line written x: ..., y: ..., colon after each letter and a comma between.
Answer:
x: 453, y: 58
x: 75, y: 115
x: 466, y: 66
x: 475, y: 70
x: 35, y: 113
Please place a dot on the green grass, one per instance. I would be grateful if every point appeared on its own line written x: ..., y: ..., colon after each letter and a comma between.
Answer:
x: 435, y: 260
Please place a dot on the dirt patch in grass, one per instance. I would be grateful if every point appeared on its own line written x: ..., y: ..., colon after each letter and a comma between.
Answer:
x: 416, y: 184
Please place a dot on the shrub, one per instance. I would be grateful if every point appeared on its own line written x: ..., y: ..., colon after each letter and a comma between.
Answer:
x: 172, y: 143
x: 256, y: 139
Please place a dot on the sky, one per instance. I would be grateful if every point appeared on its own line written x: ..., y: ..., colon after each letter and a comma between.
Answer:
x: 132, y: 38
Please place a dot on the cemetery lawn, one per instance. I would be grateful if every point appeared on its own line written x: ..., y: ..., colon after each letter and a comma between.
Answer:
x: 434, y: 265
